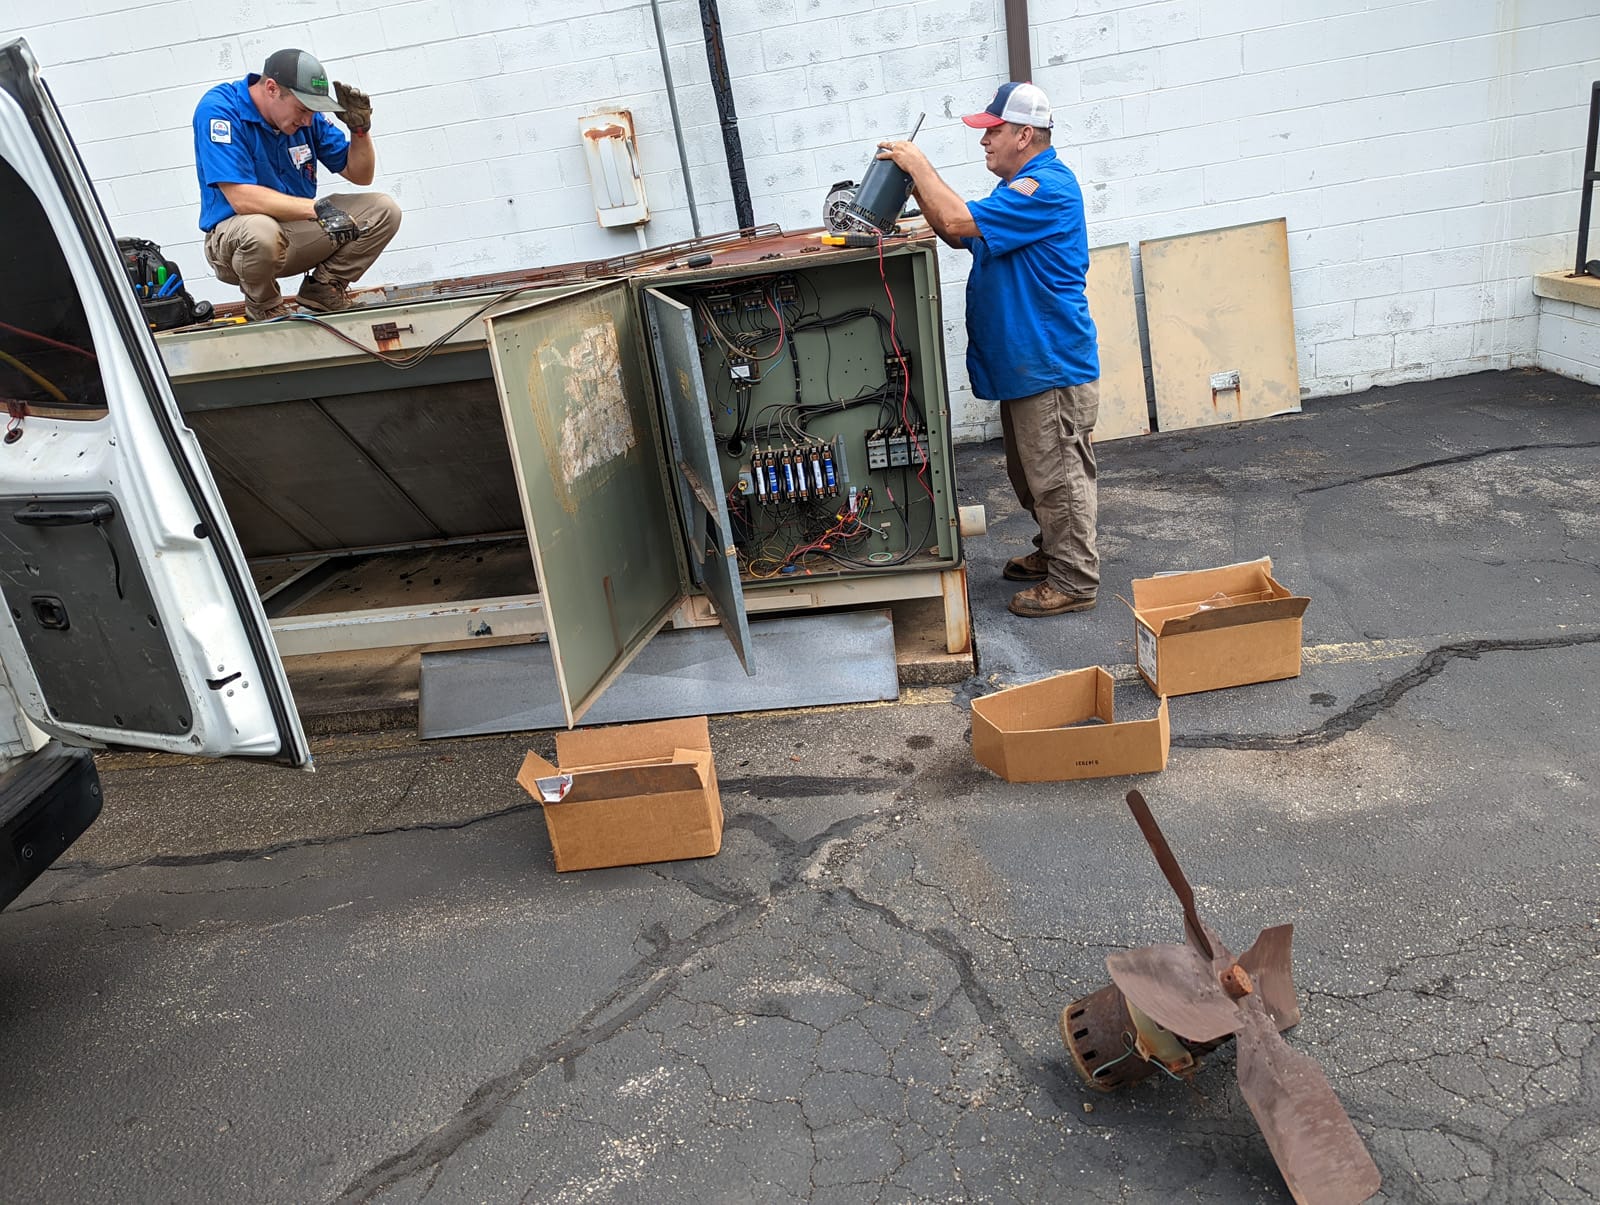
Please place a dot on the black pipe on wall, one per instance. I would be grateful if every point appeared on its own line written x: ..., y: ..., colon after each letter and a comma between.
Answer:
x: 722, y: 88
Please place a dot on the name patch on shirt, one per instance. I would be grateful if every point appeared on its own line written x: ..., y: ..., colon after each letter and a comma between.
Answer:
x: 221, y: 131
x: 1026, y: 186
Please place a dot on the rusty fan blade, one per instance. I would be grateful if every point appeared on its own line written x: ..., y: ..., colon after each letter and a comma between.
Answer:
x: 1322, y: 1158
x: 1269, y: 964
x: 1169, y: 867
x: 1176, y: 987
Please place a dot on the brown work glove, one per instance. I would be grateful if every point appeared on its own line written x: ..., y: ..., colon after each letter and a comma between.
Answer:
x: 355, y: 107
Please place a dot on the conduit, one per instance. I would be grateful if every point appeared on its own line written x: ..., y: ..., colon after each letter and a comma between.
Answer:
x: 722, y: 87
x: 677, y: 122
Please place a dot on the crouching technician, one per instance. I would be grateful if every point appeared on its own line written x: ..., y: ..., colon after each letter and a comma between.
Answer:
x: 257, y: 143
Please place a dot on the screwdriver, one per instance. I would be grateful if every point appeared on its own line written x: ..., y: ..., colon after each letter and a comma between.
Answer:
x: 856, y: 240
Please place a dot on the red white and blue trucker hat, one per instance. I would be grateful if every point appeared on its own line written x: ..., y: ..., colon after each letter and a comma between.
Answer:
x: 303, y: 76
x: 1020, y: 104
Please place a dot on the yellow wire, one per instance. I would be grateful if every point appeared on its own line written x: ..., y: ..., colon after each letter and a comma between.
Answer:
x: 34, y: 377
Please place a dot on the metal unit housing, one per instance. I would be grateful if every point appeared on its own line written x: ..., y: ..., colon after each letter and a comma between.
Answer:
x: 379, y: 475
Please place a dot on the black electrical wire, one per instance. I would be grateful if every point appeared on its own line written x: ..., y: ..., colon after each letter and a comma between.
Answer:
x: 417, y: 357
x: 793, y: 523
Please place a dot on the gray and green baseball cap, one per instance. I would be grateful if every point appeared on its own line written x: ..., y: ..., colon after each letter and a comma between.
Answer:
x: 304, y: 76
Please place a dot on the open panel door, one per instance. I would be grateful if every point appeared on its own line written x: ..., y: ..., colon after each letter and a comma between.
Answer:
x: 713, y: 560
x: 584, y: 442
x: 130, y: 616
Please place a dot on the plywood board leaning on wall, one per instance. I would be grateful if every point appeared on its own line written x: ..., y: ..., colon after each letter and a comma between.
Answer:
x: 1124, y: 408
x: 1221, y: 325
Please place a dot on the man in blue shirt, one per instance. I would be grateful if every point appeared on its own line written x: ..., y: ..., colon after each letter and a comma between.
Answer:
x: 257, y: 143
x: 1031, y: 344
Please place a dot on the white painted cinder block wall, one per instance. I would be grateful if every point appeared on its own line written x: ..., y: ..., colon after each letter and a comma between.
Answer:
x: 1569, y: 340
x: 1426, y: 155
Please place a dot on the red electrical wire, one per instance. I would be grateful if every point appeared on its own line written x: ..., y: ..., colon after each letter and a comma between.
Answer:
x: 905, y: 380
x: 17, y: 330
x: 778, y: 347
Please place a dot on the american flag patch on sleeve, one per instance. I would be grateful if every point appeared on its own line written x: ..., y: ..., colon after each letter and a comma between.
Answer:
x: 1026, y: 186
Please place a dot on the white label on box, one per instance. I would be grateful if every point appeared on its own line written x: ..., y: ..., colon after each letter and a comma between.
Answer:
x: 1147, y: 651
x: 554, y: 789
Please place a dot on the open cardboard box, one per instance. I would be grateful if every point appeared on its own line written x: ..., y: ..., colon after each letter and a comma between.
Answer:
x: 630, y: 794
x: 1214, y: 628
x: 1024, y: 734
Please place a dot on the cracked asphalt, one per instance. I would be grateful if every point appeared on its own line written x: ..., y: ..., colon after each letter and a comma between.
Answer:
x: 369, y: 985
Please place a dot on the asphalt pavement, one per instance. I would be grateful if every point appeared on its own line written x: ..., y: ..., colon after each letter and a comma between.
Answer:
x: 369, y: 984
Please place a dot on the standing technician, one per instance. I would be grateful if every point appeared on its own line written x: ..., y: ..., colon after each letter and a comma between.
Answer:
x: 1030, y: 341
x: 257, y: 143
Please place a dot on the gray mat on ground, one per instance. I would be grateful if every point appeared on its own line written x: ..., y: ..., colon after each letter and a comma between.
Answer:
x: 801, y: 661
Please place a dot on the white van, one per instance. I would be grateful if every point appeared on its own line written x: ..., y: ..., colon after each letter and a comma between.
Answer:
x: 132, y: 622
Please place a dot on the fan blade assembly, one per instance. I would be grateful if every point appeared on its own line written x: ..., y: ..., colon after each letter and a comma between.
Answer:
x: 1322, y: 1158
x: 1168, y: 861
x: 1169, y: 1005
x: 1177, y: 988
x: 1269, y: 964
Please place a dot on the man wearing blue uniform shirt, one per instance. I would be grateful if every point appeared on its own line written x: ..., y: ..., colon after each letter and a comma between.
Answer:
x: 1031, y: 344
x: 257, y: 144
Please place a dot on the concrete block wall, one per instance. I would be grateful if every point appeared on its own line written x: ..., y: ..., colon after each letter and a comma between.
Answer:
x: 1569, y: 339
x: 1425, y: 153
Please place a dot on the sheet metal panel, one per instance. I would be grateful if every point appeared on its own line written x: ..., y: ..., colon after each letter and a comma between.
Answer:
x: 714, y: 560
x: 581, y: 421
x: 295, y: 463
x: 694, y: 672
x: 444, y: 446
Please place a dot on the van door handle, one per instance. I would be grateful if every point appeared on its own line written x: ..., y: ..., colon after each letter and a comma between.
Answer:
x: 42, y: 514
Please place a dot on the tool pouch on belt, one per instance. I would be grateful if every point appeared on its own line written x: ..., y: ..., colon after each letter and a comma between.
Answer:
x: 159, y: 286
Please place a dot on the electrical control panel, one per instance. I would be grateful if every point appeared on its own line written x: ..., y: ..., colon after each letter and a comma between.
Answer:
x: 826, y: 394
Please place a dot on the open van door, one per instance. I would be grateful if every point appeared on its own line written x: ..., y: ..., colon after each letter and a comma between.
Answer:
x: 130, y: 617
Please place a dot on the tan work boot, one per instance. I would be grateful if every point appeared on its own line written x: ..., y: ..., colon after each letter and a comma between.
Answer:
x: 323, y: 296
x: 1030, y: 568
x: 265, y: 313
x: 1045, y: 599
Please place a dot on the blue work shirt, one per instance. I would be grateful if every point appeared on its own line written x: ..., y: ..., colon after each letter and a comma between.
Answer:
x: 234, y: 144
x: 1028, y: 324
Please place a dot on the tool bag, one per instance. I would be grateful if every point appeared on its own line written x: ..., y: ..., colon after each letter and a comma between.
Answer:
x: 158, y: 285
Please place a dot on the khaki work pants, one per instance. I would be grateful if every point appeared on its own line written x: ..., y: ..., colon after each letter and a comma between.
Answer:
x: 253, y: 250
x: 1050, y: 461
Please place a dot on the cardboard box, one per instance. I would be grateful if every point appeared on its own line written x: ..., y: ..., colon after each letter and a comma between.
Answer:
x: 1215, y: 628
x: 1023, y: 733
x: 630, y: 794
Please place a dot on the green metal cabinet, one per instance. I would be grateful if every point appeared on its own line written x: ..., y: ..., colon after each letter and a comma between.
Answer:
x: 630, y: 482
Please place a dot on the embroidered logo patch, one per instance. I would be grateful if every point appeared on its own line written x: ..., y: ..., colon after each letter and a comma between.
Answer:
x: 299, y: 155
x: 221, y: 131
x: 1026, y: 186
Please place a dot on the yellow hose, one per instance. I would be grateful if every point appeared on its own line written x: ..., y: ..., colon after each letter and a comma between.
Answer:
x: 34, y: 377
